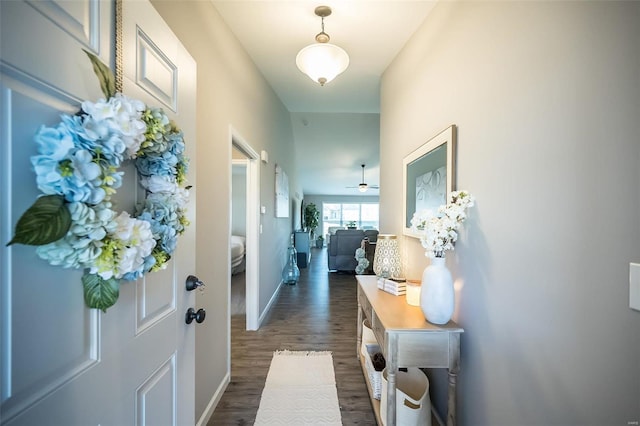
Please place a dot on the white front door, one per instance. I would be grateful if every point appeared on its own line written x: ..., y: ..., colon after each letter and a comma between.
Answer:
x: 61, y: 363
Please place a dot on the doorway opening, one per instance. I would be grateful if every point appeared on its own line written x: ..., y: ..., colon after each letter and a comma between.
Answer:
x: 244, y: 231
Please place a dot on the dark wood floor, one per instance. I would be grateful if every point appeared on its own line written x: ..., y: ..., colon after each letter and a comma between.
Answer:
x: 319, y: 314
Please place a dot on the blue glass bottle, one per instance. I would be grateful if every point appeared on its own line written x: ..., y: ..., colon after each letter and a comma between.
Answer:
x: 291, y: 273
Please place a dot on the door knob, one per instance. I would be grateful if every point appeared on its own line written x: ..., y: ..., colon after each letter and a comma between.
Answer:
x: 193, y: 282
x: 191, y: 315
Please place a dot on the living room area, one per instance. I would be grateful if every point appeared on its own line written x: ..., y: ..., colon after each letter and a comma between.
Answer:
x: 341, y: 225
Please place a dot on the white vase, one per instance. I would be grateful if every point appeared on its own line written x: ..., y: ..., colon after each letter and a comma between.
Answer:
x: 437, y: 295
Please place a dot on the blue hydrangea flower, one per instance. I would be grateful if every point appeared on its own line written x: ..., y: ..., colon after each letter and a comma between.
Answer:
x: 83, y: 243
x: 66, y: 170
x: 158, y: 165
x: 97, y: 137
x: 165, y: 217
x: 175, y: 142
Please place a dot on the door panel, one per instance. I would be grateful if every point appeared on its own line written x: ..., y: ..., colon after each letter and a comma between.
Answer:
x: 64, y: 364
x: 152, y: 397
x: 33, y: 28
x: 44, y: 345
x: 155, y: 298
x: 79, y: 18
x: 155, y: 72
x: 159, y: 71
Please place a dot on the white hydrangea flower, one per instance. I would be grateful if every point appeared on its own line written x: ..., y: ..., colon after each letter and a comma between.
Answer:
x: 123, y: 116
x: 157, y: 183
x: 129, y: 121
x: 99, y: 110
x: 137, y: 243
x: 181, y: 197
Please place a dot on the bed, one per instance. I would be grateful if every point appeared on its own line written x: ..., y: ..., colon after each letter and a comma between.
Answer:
x: 238, y: 250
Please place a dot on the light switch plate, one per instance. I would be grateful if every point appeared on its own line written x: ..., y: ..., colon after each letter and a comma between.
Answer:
x: 634, y: 286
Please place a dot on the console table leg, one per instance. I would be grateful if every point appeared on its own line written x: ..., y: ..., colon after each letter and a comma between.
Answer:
x: 392, y: 370
x: 451, y: 404
x: 454, y: 368
x: 391, y: 397
x: 359, y: 333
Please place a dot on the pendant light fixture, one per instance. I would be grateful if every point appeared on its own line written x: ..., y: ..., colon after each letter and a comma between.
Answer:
x: 322, y: 61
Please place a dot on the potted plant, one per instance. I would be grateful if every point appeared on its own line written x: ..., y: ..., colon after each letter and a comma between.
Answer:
x: 351, y: 224
x: 320, y: 241
x: 311, y: 217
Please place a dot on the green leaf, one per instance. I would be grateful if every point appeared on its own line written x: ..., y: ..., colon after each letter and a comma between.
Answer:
x: 100, y: 293
x: 46, y: 221
x: 105, y: 76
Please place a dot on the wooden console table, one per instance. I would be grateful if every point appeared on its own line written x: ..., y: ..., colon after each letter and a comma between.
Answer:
x: 406, y: 340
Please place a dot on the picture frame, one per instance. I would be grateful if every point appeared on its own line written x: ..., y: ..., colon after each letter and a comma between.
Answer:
x: 428, y: 176
x: 282, y: 193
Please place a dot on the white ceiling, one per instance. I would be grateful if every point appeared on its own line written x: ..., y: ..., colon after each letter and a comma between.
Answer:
x: 337, y: 136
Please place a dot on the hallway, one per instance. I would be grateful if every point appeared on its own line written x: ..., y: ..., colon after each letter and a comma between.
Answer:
x: 320, y: 314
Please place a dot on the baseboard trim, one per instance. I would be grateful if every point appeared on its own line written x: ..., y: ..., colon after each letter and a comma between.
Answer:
x: 213, y: 403
x: 271, y: 302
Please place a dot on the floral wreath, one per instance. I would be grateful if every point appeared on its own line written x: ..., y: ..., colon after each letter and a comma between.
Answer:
x: 73, y: 223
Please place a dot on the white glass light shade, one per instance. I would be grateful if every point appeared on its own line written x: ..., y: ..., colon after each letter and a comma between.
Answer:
x: 322, y: 62
x: 363, y: 187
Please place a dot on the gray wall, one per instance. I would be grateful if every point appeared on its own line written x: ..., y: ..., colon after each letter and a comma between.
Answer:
x: 546, y: 97
x: 231, y: 92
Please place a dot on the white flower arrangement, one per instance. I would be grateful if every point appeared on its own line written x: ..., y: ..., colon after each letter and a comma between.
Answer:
x: 439, y: 231
x: 77, y: 170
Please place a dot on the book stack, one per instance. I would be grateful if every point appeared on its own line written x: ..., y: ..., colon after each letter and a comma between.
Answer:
x: 395, y: 286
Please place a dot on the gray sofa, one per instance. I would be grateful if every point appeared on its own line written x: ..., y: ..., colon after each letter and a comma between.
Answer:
x: 342, y: 248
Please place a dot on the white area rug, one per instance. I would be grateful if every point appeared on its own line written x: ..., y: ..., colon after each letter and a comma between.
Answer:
x: 300, y: 390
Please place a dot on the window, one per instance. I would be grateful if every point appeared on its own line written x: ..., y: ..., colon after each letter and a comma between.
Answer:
x: 365, y: 215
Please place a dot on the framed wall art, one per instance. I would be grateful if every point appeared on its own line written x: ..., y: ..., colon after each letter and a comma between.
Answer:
x: 429, y: 175
x: 282, y: 193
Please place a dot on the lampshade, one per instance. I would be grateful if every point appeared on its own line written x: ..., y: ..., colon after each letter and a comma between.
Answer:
x: 363, y: 187
x: 386, y: 260
x: 322, y: 61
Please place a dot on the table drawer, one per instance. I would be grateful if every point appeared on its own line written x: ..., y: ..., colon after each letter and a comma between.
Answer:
x: 378, y: 330
x: 430, y: 350
x: 365, y: 305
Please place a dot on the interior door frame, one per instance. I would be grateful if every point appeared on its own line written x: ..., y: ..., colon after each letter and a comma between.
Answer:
x: 252, y: 297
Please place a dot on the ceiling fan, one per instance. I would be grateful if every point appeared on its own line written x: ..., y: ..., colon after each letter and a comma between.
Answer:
x: 363, y: 187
